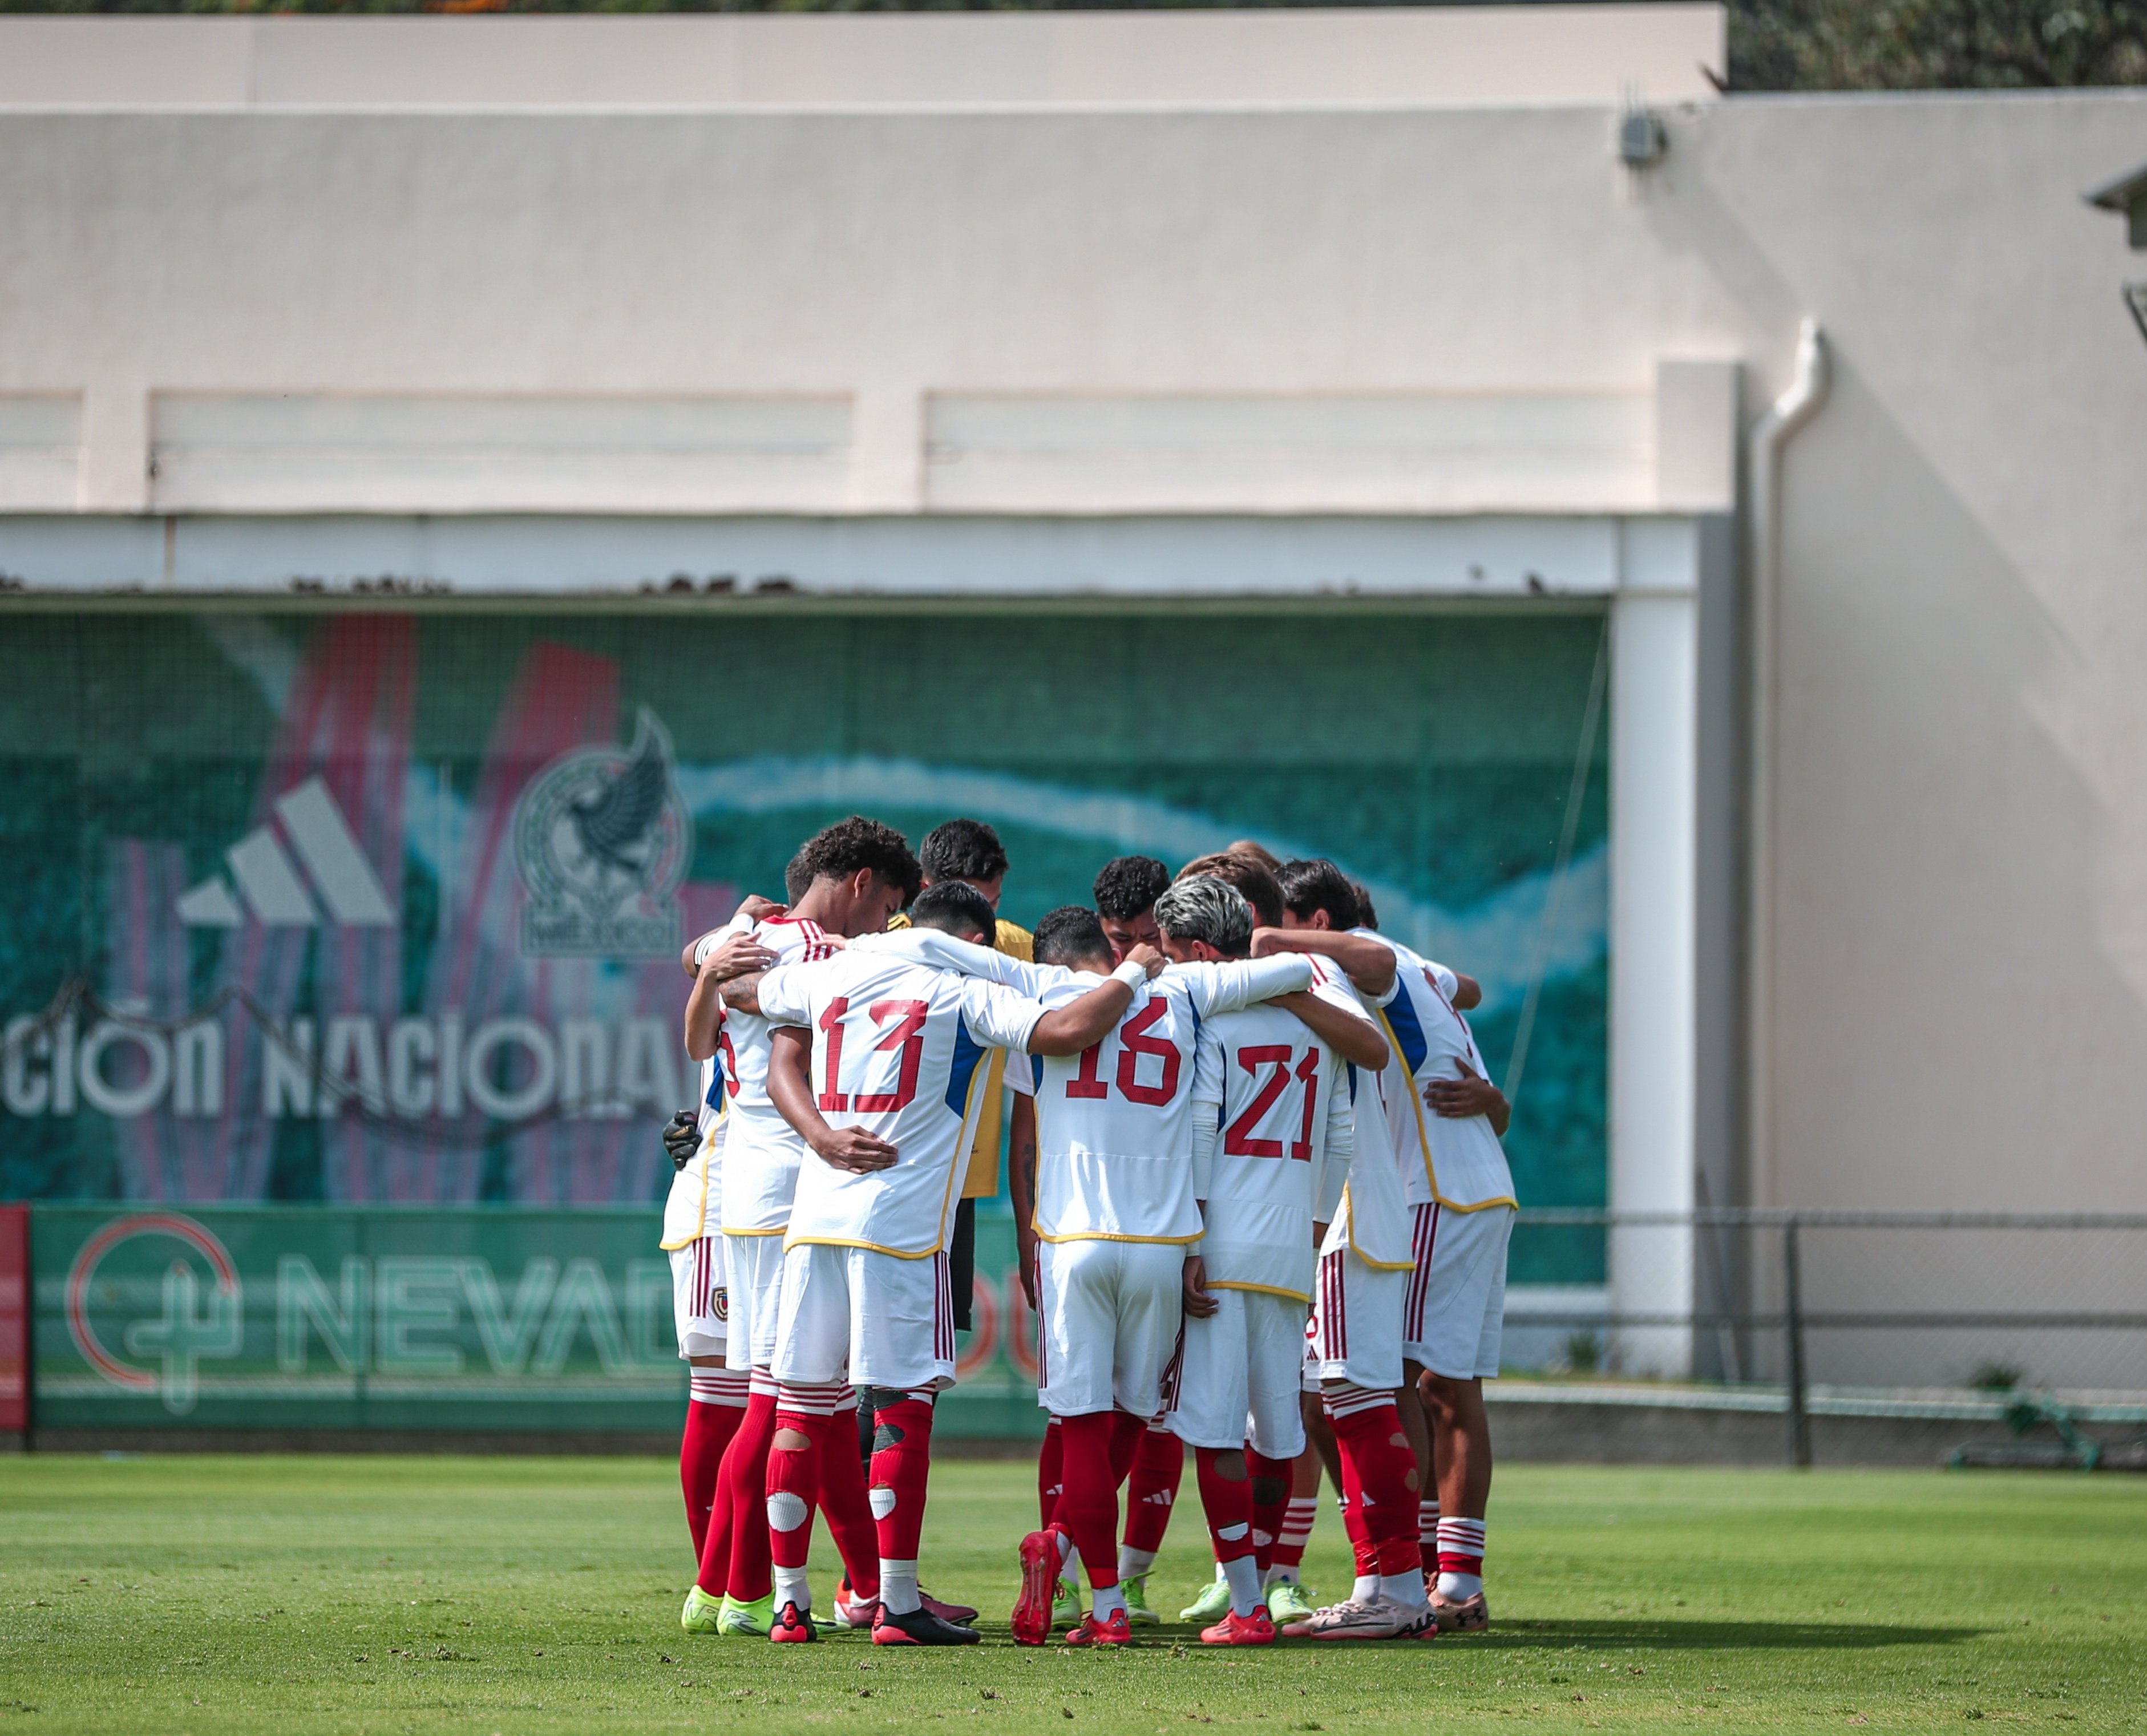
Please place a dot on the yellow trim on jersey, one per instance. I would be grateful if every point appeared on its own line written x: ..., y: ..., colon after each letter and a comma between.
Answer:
x: 780, y: 1229
x: 1363, y: 1256
x: 1098, y: 1235
x: 1228, y: 1283
x: 708, y: 1140
x: 1424, y: 1139
x: 899, y: 1253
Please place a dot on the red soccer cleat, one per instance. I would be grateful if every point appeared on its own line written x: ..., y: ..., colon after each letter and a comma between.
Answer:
x: 1241, y: 1630
x: 1118, y: 1631
x: 794, y: 1626
x: 960, y: 1615
x: 1039, y: 1583
x: 852, y: 1611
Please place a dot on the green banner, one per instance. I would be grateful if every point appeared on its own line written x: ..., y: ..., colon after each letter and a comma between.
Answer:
x: 477, y: 1320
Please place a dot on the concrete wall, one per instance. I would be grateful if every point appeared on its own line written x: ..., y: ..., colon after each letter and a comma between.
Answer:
x: 1961, y: 927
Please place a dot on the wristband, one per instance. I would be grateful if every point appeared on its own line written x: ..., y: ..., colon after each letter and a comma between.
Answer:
x: 1131, y: 974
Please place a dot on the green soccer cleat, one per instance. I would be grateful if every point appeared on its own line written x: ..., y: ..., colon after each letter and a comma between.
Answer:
x: 1136, y: 1609
x: 1288, y: 1602
x: 749, y: 1621
x: 703, y: 1613
x: 1066, y: 1605
x: 1212, y: 1605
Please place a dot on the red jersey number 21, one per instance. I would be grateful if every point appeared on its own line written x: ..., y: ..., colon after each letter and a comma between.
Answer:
x: 1237, y: 1140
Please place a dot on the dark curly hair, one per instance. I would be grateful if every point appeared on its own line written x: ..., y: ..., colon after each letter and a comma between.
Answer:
x: 1127, y: 885
x: 963, y: 850
x: 1317, y: 884
x: 956, y: 908
x: 846, y: 846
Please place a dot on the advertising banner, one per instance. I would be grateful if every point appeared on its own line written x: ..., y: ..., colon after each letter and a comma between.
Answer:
x: 373, y: 909
x: 479, y: 1320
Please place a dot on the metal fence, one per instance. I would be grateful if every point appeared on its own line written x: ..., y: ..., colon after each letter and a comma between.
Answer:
x: 1910, y: 1313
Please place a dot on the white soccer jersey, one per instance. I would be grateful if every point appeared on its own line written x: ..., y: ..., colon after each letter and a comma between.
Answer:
x: 1114, y: 1124
x: 896, y: 1050
x: 761, y: 1152
x: 1372, y: 1221
x: 1282, y: 1099
x: 1456, y: 1162
x: 697, y: 1185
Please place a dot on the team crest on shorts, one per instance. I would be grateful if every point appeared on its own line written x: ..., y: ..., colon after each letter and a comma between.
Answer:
x: 603, y: 838
x: 719, y: 1304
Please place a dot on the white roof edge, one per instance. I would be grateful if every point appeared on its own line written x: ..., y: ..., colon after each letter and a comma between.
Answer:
x: 1484, y: 57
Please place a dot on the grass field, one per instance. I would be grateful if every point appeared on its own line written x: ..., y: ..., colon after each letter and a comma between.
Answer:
x: 514, y: 1595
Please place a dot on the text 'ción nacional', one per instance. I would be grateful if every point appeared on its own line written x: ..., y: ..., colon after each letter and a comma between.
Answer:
x: 410, y: 1068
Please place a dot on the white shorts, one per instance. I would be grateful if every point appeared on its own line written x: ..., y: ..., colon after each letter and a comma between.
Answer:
x: 700, y: 1306
x: 1238, y: 1375
x: 889, y: 1322
x: 1457, y: 1295
x: 1110, y: 1312
x: 755, y: 1283
x: 1356, y: 1330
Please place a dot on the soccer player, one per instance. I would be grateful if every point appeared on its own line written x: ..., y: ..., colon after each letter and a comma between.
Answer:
x: 895, y: 1045
x: 1365, y: 1266
x: 1114, y: 1211
x: 691, y: 1237
x: 1444, y: 1119
x: 1277, y: 1101
x: 856, y: 873
x: 1125, y: 892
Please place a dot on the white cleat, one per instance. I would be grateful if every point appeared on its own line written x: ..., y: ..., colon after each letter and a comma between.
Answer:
x: 1363, y: 1618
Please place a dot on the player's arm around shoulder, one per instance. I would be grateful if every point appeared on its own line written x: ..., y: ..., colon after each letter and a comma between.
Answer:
x: 1068, y: 1030
x: 1368, y: 963
x: 790, y: 1089
x: 1342, y: 1025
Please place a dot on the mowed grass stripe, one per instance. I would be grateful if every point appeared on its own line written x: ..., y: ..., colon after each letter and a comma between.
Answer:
x: 384, y: 1594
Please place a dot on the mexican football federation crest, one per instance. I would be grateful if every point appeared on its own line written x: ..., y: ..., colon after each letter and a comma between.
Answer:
x: 602, y: 838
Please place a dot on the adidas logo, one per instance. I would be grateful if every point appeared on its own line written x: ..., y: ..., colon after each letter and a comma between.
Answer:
x: 269, y: 881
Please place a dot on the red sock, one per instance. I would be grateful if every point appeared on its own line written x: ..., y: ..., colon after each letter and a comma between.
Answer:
x: 1126, y: 1433
x: 1151, y: 1487
x: 1377, y: 1458
x: 901, y: 1471
x: 793, y: 1483
x: 745, y: 1570
x: 1427, y: 1533
x: 1050, y: 1462
x: 710, y: 1425
x: 1228, y: 1503
x: 844, y: 1504
x: 1089, y: 1509
x: 1271, y: 1481
x: 1296, y: 1533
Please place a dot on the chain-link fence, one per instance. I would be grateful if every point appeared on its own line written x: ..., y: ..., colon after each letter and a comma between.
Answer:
x: 2038, y: 1317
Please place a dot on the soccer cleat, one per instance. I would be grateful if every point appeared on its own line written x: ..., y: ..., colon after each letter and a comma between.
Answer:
x: 1116, y: 1631
x: 1471, y: 1615
x: 1065, y: 1604
x: 1234, y: 1630
x: 703, y: 1613
x: 1374, y: 1618
x: 1136, y: 1609
x: 1287, y: 1602
x: 794, y: 1626
x: 920, y: 1626
x: 960, y: 1615
x: 747, y: 1621
x: 852, y: 1611
x: 1214, y: 1599
x: 1033, y: 1610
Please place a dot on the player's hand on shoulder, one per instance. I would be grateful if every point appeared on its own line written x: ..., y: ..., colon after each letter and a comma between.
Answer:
x: 760, y: 910
x: 740, y: 955
x: 1471, y: 1094
x: 1146, y: 957
x: 1268, y: 942
x: 854, y: 1150
x: 1198, y: 1303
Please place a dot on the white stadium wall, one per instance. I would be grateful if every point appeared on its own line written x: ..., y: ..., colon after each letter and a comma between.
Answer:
x: 1304, y: 338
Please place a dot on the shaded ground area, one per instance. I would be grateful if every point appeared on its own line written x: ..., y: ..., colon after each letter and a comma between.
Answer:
x: 371, y: 1594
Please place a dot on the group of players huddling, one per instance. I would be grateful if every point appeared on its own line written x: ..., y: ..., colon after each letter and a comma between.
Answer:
x: 1263, y: 1208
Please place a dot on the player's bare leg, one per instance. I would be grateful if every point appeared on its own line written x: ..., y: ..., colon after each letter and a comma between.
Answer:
x: 1461, y: 1453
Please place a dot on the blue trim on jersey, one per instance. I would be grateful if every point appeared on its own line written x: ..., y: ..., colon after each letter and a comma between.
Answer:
x: 1352, y: 1066
x: 1408, y: 1029
x: 714, y: 1096
x: 968, y: 1053
x: 1036, y: 1072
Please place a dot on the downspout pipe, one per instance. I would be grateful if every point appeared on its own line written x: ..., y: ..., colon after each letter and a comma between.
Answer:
x: 1806, y: 396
